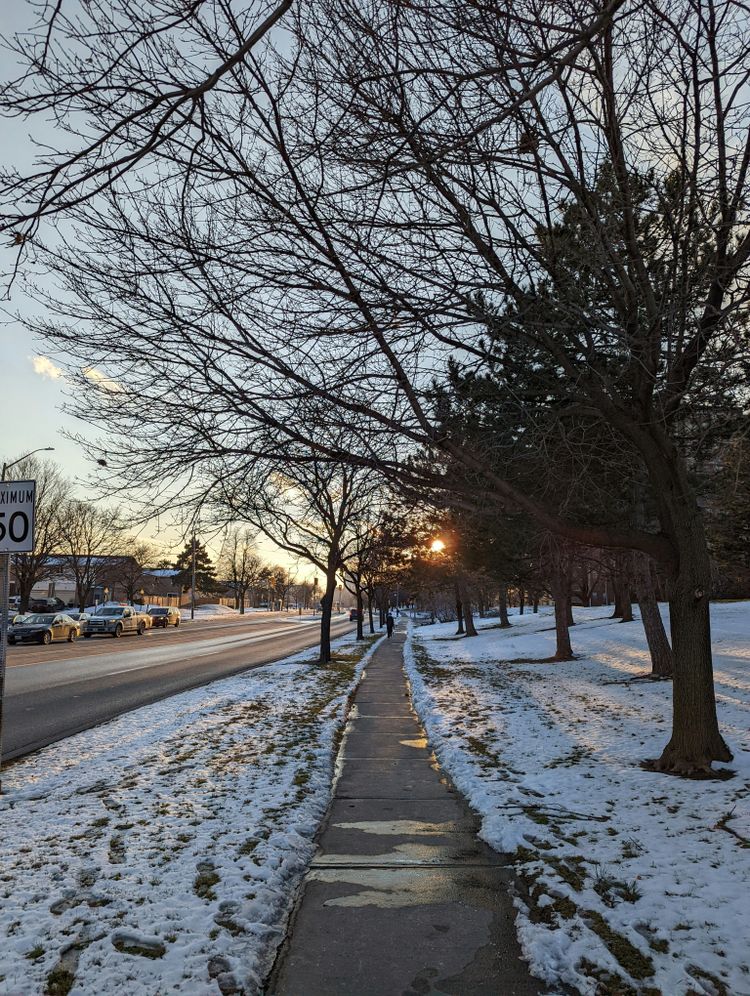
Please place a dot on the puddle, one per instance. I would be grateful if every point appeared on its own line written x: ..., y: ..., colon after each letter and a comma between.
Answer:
x: 402, y: 854
x: 393, y: 889
x: 399, y: 827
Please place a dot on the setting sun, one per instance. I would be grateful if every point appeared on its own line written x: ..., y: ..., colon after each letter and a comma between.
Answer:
x: 437, y: 546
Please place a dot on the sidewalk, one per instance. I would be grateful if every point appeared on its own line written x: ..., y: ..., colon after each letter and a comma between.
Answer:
x: 402, y: 898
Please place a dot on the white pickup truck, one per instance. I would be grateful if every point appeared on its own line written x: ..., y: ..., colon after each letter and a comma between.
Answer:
x: 115, y: 620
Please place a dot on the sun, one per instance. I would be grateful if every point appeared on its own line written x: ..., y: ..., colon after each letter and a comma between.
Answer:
x: 437, y: 546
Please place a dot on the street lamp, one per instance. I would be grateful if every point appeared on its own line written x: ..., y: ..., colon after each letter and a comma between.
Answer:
x: 41, y: 449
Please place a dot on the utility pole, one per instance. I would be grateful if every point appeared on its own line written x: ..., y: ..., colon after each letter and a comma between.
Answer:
x: 192, y: 584
x: 5, y: 599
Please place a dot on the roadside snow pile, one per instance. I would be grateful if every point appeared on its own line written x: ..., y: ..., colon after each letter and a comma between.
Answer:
x: 633, y: 882
x: 161, y: 852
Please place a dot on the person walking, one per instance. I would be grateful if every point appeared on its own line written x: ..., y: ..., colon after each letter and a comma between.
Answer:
x: 389, y: 624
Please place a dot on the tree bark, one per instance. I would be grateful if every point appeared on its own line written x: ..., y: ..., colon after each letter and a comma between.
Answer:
x: 521, y: 600
x: 325, y: 617
x: 459, y: 613
x: 561, y: 596
x: 535, y: 604
x: 370, y: 615
x: 662, y: 662
x: 471, y: 629
x: 360, y: 614
x: 696, y: 741
x: 504, y: 620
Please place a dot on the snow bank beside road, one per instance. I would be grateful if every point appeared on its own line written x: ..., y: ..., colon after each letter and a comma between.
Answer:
x: 635, y: 882
x: 160, y: 852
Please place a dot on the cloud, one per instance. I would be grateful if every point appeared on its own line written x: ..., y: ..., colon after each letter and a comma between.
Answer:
x: 101, y: 379
x: 44, y: 366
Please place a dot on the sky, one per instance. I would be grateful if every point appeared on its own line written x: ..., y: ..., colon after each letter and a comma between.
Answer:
x: 33, y: 388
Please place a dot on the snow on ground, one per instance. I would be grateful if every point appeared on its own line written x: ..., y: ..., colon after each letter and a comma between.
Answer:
x: 160, y: 852
x: 631, y: 882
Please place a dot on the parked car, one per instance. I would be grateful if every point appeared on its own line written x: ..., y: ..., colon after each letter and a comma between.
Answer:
x: 163, y: 616
x: 43, y: 627
x: 47, y: 605
x: 82, y: 619
x: 114, y: 620
x: 353, y: 614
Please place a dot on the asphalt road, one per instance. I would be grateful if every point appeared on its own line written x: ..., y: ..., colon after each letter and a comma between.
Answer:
x: 53, y: 692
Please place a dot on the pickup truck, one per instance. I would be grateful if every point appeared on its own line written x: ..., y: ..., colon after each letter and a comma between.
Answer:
x: 115, y: 620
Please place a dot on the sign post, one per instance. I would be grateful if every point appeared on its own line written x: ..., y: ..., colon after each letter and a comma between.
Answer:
x: 16, y: 536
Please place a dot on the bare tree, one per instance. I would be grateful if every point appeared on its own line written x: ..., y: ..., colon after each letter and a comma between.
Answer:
x: 373, y: 216
x: 240, y: 565
x: 307, y: 506
x: 90, y: 536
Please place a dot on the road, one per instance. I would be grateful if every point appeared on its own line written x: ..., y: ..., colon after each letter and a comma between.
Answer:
x: 53, y: 692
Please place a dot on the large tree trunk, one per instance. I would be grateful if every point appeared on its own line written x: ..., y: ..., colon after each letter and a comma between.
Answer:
x: 696, y: 740
x: 325, y: 617
x: 662, y: 662
x: 360, y: 614
x: 561, y: 596
x: 521, y: 600
x: 504, y: 620
x: 459, y: 612
x: 471, y: 629
x: 468, y: 617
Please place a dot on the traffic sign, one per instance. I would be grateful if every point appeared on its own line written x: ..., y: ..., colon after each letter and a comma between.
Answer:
x: 17, y: 516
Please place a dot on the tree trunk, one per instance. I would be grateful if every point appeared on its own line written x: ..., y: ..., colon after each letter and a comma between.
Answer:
x: 459, y: 615
x: 521, y: 600
x: 360, y: 614
x: 325, y: 618
x: 535, y: 603
x: 24, y: 590
x: 696, y: 740
x: 561, y: 596
x: 370, y: 616
x: 504, y: 620
x: 662, y: 663
x: 619, y: 608
x: 627, y: 600
x: 569, y: 611
x: 471, y: 629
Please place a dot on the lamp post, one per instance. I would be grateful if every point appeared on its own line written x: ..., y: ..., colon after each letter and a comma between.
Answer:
x: 192, y: 582
x: 5, y: 598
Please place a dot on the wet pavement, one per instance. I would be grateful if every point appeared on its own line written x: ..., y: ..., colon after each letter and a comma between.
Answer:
x: 402, y: 898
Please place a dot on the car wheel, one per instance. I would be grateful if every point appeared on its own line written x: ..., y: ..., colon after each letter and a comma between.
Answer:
x: 87, y: 636
x: 118, y: 631
x: 141, y: 629
x: 46, y: 637
x: 177, y: 623
x: 12, y: 641
x: 72, y: 636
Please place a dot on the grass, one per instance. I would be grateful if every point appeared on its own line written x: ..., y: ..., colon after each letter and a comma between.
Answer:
x: 636, y: 964
x: 59, y: 982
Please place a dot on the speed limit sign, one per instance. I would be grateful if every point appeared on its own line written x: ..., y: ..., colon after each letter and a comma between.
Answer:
x: 17, y: 516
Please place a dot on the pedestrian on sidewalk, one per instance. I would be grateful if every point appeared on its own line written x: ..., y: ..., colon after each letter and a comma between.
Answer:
x: 389, y: 624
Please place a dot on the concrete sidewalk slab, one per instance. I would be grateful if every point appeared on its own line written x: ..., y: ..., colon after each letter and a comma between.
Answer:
x: 402, y: 898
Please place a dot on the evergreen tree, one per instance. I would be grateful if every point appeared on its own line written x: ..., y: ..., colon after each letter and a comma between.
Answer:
x: 205, y: 573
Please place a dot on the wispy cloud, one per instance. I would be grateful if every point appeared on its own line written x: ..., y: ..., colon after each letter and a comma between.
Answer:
x: 101, y: 379
x: 44, y: 366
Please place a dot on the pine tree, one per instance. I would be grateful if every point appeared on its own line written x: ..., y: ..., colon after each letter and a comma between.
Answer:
x: 205, y: 573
